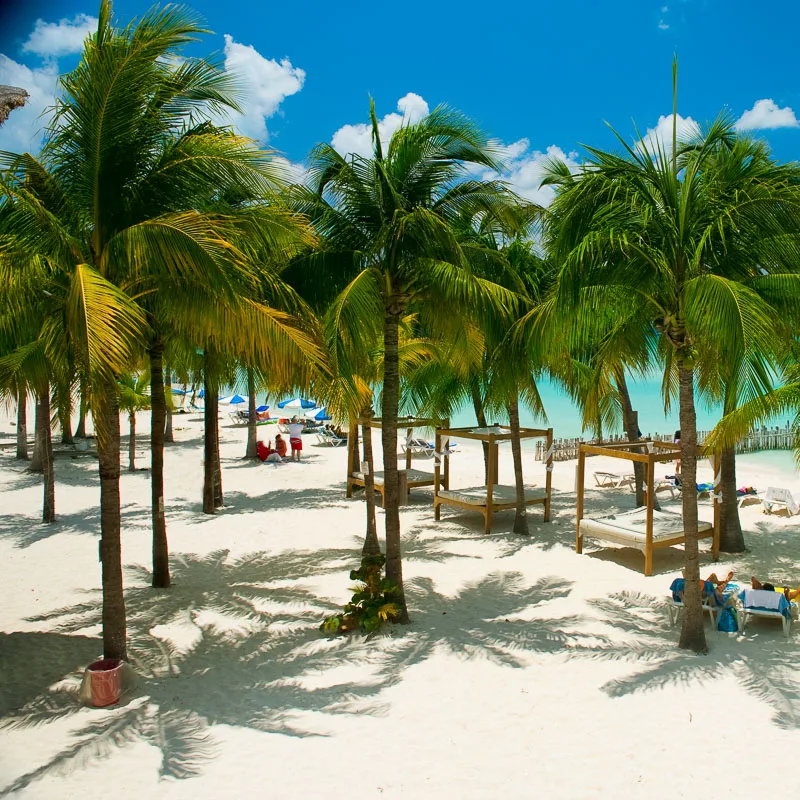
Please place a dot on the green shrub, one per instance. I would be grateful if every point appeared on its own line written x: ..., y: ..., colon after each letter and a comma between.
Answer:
x: 374, y: 600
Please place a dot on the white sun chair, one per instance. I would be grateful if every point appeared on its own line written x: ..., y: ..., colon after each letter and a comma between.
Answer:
x: 675, y: 604
x: 614, y: 480
x: 777, y: 498
x: 329, y: 438
x: 419, y: 447
x: 764, y: 603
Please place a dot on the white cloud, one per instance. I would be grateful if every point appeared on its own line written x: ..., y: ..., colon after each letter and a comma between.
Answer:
x: 358, y: 138
x: 23, y: 130
x: 525, y: 169
x: 56, y: 39
x: 661, y: 135
x: 266, y: 83
x: 765, y: 114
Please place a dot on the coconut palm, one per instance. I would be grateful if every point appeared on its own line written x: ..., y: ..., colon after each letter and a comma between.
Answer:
x: 387, y: 218
x: 133, y: 396
x: 651, y: 224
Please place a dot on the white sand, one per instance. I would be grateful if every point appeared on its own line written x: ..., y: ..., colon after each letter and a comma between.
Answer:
x: 527, y: 670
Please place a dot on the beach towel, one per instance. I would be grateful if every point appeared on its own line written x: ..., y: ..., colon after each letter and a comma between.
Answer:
x: 765, y: 600
x: 709, y: 593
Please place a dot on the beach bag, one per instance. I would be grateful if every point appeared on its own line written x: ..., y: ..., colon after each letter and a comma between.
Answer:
x: 727, y: 620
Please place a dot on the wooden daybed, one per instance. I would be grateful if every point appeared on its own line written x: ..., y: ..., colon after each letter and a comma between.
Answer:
x: 493, y: 497
x: 642, y: 528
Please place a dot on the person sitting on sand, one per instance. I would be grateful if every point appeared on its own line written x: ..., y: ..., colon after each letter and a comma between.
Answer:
x: 791, y: 594
x: 280, y: 445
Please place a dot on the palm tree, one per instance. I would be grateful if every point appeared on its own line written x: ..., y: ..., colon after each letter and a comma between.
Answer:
x: 387, y: 218
x: 649, y: 224
x: 133, y: 397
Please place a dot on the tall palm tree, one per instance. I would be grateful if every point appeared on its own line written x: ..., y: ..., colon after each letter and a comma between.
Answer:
x: 649, y: 224
x: 388, y: 218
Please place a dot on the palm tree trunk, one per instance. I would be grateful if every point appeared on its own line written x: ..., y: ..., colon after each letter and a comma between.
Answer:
x: 132, y: 442
x: 158, y: 418
x: 731, y: 538
x: 391, y: 488
x: 80, y: 431
x: 209, y: 449
x: 22, y: 425
x: 372, y: 546
x: 480, y: 417
x: 252, y: 422
x: 65, y: 419
x: 169, y: 436
x: 631, y: 421
x: 38, y: 438
x: 693, y: 635
x: 520, y: 517
x: 48, y: 472
x: 114, y: 626
x: 218, y: 499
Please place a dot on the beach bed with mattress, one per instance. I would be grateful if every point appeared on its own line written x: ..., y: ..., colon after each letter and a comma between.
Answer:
x: 409, y: 479
x: 474, y: 498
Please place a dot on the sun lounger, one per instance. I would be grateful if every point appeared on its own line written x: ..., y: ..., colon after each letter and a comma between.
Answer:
x: 763, y: 603
x: 675, y: 604
x: 330, y: 439
x: 777, y: 498
x: 614, y: 480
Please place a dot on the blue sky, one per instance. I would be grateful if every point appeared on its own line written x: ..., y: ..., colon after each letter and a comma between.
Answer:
x: 536, y: 76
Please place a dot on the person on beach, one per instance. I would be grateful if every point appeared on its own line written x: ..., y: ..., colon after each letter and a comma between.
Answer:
x: 791, y: 594
x: 280, y: 445
x: 296, y: 438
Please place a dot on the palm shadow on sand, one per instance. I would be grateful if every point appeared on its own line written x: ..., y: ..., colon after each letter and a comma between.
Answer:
x: 251, y: 655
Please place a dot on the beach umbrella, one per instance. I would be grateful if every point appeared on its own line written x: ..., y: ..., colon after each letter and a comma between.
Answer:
x: 320, y: 414
x: 236, y: 399
x: 180, y: 391
x: 201, y: 393
x: 261, y: 409
x: 297, y: 402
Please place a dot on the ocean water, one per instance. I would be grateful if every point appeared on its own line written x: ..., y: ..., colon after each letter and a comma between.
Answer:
x: 565, y: 418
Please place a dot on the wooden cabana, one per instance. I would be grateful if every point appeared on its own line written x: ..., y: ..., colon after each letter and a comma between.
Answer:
x: 642, y: 528
x: 493, y: 497
x: 409, y: 478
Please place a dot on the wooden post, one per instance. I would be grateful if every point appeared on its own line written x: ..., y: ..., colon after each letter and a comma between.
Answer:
x: 548, y: 474
x: 487, y: 528
x: 409, y: 433
x: 437, y: 467
x: 579, y: 501
x: 352, y: 441
x: 717, y: 511
x: 651, y: 499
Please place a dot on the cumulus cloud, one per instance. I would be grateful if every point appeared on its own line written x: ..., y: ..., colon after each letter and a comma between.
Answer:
x: 661, y: 135
x: 524, y: 169
x: 765, y: 115
x: 266, y: 84
x: 24, y: 129
x: 358, y: 138
x: 56, y: 39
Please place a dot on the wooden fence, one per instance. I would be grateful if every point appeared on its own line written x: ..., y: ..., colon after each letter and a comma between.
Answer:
x: 763, y: 439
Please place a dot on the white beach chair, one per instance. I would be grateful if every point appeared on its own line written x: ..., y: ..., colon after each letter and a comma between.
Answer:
x: 675, y: 606
x: 777, y: 498
x: 330, y: 439
x: 764, y: 603
x: 614, y: 480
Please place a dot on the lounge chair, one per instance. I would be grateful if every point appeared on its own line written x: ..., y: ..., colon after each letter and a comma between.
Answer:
x: 675, y: 602
x: 423, y: 449
x: 614, y: 480
x: 776, y: 499
x: 748, y: 495
x: 764, y: 603
x: 330, y: 439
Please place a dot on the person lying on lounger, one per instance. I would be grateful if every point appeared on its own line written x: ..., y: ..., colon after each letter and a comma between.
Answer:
x: 791, y: 594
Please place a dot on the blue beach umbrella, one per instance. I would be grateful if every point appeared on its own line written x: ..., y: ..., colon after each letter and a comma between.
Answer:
x: 320, y: 414
x: 201, y: 393
x: 180, y: 391
x: 297, y: 402
x: 236, y: 399
x: 261, y: 409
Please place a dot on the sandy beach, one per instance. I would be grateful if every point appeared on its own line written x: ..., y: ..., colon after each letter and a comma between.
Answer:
x: 527, y: 670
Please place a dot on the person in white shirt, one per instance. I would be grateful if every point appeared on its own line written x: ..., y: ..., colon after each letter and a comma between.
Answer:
x: 296, y: 438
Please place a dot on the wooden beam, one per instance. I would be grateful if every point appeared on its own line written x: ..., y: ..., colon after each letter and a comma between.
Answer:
x: 489, y: 486
x: 596, y: 450
x: 548, y: 442
x: 579, y: 501
x: 648, y: 527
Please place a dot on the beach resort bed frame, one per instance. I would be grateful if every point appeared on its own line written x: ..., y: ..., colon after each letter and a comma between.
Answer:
x: 642, y: 528
x: 493, y: 497
x: 409, y: 478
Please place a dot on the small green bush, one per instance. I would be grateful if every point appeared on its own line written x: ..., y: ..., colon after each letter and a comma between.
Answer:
x: 373, y: 601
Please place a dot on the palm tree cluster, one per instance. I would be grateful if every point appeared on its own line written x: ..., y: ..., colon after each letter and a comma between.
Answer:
x: 150, y: 242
